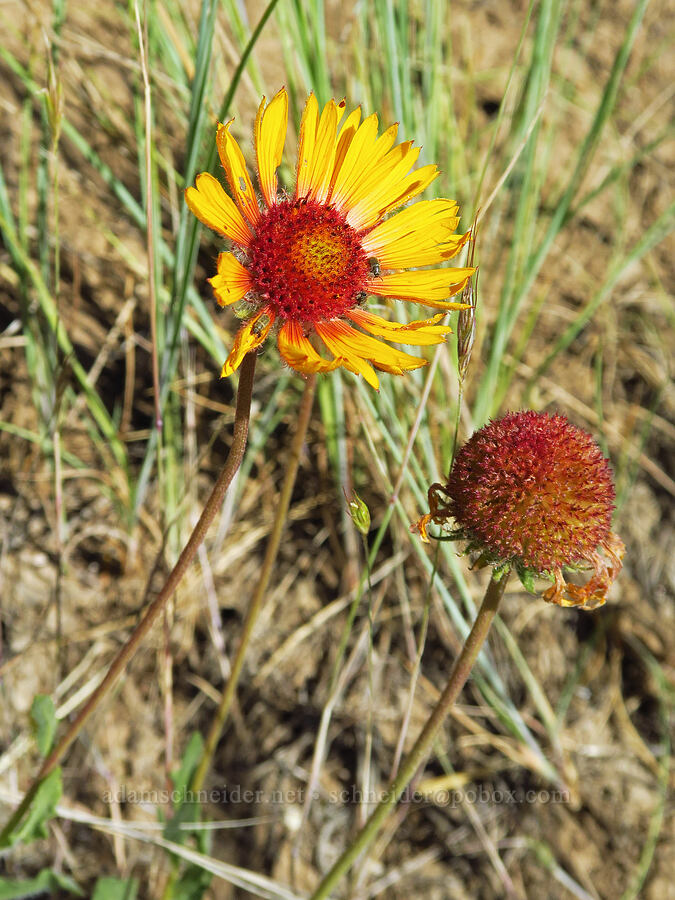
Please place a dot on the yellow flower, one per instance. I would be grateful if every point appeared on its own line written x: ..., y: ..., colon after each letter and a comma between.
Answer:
x: 307, y: 261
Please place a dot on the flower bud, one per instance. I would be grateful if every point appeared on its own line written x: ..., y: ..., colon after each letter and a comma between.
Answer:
x: 360, y: 513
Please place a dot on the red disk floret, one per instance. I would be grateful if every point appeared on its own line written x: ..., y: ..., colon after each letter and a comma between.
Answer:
x: 306, y: 261
x: 533, y: 488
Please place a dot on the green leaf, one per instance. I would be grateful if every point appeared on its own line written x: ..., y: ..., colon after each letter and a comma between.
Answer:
x: 41, y: 810
x: 192, y: 884
x: 527, y: 579
x: 182, y: 776
x: 193, y: 881
x: 46, y: 881
x: 186, y: 809
x: 43, y: 717
x: 500, y: 570
x: 115, y: 889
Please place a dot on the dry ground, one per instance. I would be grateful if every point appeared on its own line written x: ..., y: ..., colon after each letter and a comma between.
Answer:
x: 614, y: 731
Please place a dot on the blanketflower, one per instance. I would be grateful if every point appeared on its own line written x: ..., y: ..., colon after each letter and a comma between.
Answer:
x: 307, y: 261
x: 533, y: 491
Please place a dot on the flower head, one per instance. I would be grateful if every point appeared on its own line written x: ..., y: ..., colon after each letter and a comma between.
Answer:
x: 533, y: 491
x: 307, y: 261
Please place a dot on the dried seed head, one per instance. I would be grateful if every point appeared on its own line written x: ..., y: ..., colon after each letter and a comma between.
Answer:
x: 54, y: 100
x: 466, y: 331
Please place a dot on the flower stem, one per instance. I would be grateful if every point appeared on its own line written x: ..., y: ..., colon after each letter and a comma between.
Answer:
x: 220, y: 718
x: 458, y: 677
x: 213, y: 504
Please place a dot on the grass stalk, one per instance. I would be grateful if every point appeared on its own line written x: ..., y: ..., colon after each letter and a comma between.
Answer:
x: 142, y: 32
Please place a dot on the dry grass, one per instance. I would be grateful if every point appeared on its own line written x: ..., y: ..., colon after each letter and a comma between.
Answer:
x: 607, y: 676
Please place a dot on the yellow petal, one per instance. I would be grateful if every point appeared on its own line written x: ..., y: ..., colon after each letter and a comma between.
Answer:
x: 341, y: 339
x: 411, y: 186
x: 352, y: 361
x: 249, y: 336
x: 389, y: 170
x: 359, y: 157
x: 306, y: 143
x: 324, y: 151
x: 232, y: 282
x: 212, y: 206
x: 360, y: 367
x: 344, y: 139
x: 270, y: 134
x: 368, y: 166
x: 420, y: 527
x: 381, y: 355
x: 420, y: 333
x: 427, y: 215
x: 420, y: 250
x: 396, y: 191
x: 420, y: 235
x: 298, y: 352
x: 237, y: 175
x: 427, y: 286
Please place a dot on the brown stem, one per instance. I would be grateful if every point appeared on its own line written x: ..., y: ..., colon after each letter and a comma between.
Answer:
x: 458, y: 676
x: 213, y: 504
x: 256, y: 603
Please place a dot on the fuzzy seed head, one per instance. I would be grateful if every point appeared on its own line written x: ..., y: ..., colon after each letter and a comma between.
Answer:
x: 534, y: 490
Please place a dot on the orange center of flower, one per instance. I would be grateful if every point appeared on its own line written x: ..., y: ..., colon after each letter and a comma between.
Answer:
x: 306, y: 262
